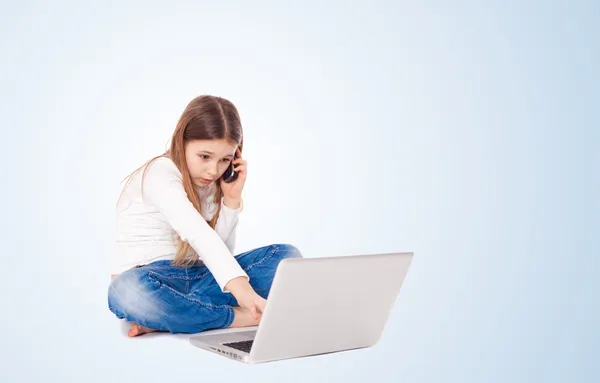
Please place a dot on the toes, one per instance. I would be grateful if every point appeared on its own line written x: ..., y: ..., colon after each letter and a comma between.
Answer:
x: 134, y: 330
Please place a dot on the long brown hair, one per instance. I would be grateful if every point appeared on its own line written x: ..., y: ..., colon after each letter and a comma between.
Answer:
x: 204, y: 118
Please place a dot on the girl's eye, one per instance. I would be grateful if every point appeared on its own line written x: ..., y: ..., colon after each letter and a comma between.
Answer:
x: 205, y: 157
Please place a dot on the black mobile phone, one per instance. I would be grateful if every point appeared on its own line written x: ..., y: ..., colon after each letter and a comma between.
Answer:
x: 230, y: 175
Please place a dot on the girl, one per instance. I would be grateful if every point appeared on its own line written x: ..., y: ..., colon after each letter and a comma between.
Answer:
x: 173, y: 269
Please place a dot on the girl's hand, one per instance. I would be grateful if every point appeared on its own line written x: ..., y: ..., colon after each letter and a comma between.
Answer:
x: 234, y: 190
x: 253, y: 302
x: 246, y: 296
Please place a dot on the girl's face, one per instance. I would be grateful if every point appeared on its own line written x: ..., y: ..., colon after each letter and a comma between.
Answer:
x: 207, y: 160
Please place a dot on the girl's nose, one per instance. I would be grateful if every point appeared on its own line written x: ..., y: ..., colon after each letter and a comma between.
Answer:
x: 213, y: 171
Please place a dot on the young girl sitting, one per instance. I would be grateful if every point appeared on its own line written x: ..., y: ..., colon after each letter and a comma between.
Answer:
x: 174, y: 268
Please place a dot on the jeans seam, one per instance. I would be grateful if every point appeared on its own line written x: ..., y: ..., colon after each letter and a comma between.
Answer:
x: 208, y: 305
x: 187, y: 281
x: 172, y: 276
x: 199, y: 276
x: 230, y: 317
x: 263, y: 259
x: 248, y: 268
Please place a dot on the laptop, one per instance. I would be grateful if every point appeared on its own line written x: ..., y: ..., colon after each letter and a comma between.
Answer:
x: 317, y: 306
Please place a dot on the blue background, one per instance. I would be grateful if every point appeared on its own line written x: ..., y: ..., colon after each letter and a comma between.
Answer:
x: 464, y: 131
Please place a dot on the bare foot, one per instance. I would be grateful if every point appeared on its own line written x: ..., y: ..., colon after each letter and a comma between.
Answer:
x: 136, y: 330
x: 243, y: 318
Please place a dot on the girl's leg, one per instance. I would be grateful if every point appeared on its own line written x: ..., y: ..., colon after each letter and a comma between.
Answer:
x: 167, y: 298
x: 260, y: 264
x: 154, y: 296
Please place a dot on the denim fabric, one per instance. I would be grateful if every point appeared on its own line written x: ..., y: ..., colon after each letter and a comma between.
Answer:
x: 188, y: 299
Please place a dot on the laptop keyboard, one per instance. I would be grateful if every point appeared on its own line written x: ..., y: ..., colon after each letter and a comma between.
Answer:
x: 244, y: 345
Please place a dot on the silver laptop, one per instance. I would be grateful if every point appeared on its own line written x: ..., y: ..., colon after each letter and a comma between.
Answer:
x: 317, y: 306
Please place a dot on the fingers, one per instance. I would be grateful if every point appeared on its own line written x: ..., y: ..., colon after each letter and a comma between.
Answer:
x: 240, y: 162
x: 261, y: 305
x: 240, y: 168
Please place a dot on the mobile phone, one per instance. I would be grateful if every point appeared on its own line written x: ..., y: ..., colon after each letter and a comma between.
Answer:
x: 230, y: 175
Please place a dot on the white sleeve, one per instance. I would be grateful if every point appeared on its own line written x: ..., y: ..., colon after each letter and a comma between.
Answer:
x: 227, y: 224
x: 163, y: 188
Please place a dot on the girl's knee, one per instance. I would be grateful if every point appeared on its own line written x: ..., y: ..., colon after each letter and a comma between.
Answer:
x: 129, y: 295
x: 286, y: 250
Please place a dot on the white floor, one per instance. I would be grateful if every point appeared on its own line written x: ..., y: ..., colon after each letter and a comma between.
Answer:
x: 124, y: 328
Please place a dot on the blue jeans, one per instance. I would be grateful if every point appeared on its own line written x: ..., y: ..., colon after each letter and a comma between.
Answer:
x: 188, y: 299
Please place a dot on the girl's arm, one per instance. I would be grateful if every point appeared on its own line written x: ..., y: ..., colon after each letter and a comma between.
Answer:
x: 227, y: 223
x: 163, y: 188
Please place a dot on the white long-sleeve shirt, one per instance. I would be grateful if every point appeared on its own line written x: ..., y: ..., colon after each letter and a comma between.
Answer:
x: 146, y: 228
